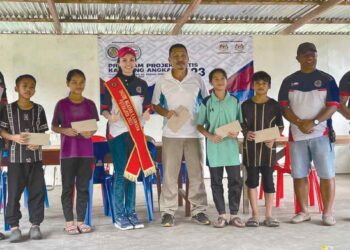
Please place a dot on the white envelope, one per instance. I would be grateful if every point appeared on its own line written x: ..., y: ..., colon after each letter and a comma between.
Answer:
x: 177, y: 121
x: 267, y: 134
x: 223, y: 131
x: 86, y: 125
x: 38, y: 139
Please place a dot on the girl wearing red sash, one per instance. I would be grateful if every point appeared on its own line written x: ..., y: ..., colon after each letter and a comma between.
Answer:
x: 121, y: 135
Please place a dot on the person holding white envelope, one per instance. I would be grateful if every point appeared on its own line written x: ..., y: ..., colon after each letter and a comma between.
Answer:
x: 25, y: 161
x: 77, y: 154
x: 176, y: 88
x: 260, y: 113
x: 217, y: 110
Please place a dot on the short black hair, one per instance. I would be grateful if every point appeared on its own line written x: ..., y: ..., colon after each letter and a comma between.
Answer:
x: 74, y: 72
x: 176, y: 46
x: 262, y: 75
x: 220, y: 70
x: 26, y: 76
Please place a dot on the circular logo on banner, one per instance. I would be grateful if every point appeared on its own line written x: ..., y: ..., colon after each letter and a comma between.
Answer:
x: 112, y: 52
x: 318, y: 83
x: 137, y: 50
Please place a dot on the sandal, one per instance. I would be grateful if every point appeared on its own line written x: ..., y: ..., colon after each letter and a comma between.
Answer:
x: 220, y: 223
x: 252, y: 222
x: 271, y: 222
x: 83, y: 228
x: 71, y: 230
x: 237, y: 222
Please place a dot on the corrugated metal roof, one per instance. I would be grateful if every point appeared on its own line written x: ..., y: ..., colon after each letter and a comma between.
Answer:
x: 26, y: 28
x: 251, y: 11
x: 23, y: 10
x: 116, y: 28
x: 218, y: 29
x: 88, y: 18
x: 324, y: 29
x: 120, y: 11
x: 339, y: 12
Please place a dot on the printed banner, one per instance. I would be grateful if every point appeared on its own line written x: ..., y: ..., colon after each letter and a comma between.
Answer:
x: 232, y: 53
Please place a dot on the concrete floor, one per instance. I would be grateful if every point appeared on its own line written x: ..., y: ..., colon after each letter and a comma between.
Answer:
x: 187, y: 235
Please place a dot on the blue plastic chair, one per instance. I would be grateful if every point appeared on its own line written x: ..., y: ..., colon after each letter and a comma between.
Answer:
x: 4, y: 196
x: 3, y: 193
x: 101, y: 149
x: 46, y: 198
x: 159, y: 178
x: 148, y: 181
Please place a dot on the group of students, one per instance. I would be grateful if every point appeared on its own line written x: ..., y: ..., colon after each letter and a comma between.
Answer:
x: 177, y: 87
x: 25, y: 161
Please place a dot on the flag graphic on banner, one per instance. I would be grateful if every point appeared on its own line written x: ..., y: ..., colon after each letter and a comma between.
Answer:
x: 240, y: 84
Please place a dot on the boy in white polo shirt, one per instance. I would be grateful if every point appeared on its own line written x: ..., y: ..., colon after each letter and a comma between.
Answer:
x: 175, y: 88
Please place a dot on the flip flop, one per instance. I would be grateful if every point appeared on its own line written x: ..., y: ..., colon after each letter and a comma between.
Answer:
x: 252, y: 222
x: 71, y: 230
x: 83, y: 228
x: 271, y: 222
x: 237, y: 222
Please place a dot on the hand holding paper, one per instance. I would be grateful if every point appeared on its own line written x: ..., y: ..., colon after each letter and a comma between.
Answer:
x: 182, y: 115
x: 86, y: 125
x: 33, y: 147
x: 87, y: 134
x: 229, y: 129
x: 38, y: 139
x: 69, y: 132
x: 215, y: 139
x: 267, y: 134
x: 20, y: 138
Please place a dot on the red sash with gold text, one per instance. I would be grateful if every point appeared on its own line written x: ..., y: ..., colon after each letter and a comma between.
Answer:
x: 140, y: 156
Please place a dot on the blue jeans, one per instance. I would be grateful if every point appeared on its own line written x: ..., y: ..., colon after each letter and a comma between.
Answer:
x: 319, y: 150
x: 123, y: 190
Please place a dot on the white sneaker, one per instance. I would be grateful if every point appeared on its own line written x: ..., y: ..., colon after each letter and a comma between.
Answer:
x: 300, y: 217
x: 123, y: 223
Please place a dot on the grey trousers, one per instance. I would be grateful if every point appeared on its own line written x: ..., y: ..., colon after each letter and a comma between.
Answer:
x: 173, y: 151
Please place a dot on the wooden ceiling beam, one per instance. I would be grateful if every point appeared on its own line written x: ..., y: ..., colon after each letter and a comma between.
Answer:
x: 143, y: 21
x: 214, y: 2
x: 54, y: 15
x: 185, y: 16
x: 309, y: 16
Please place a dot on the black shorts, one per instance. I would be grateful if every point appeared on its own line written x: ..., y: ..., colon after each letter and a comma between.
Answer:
x: 267, y: 178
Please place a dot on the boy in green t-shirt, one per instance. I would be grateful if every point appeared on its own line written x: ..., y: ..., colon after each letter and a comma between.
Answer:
x: 218, y: 109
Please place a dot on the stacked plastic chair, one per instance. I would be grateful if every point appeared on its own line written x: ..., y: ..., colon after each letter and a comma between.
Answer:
x: 100, y: 176
x: 281, y: 169
x: 101, y: 149
x: 182, y: 179
x: 4, y: 197
x: 148, y: 181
